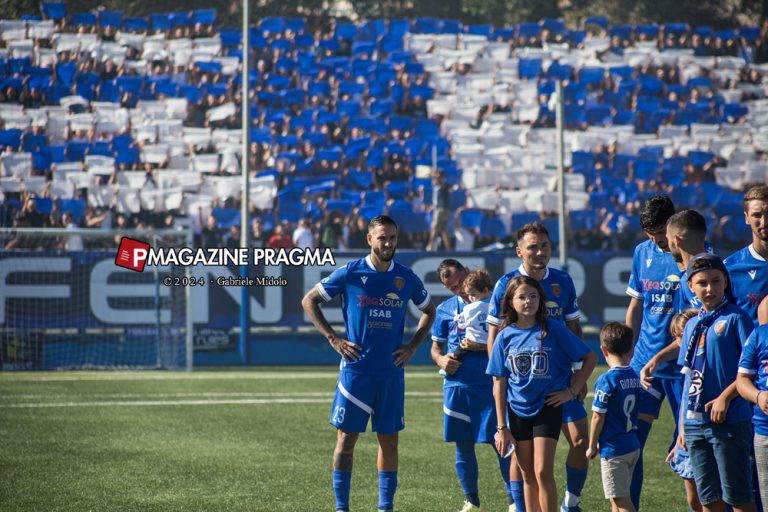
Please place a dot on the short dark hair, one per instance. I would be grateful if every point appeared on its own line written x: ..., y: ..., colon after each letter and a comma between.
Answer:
x: 756, y: 193
x: 616, y: 338
x: 656, y: 212
x: 532, y: 227
x: 691, y: 222
x: 443, y: 271
x: 382, y: 220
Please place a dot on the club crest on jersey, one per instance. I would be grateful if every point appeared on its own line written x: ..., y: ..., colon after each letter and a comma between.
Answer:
x: 648, y: 263
x: 399, y: 283
x: 556, y: 290
x: 720, y: 327
x: 752, y: 273
x: 364, y: 279
x: 521, y: 362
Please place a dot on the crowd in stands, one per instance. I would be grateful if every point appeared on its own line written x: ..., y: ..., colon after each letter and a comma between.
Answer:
x: 116, y: 122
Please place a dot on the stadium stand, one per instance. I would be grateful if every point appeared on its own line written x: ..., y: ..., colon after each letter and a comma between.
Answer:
x: 105, y: 115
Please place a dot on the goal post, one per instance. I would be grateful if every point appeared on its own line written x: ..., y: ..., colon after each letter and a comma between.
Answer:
x: 66, y: 304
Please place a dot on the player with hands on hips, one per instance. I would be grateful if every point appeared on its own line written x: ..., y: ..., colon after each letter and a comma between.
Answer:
x: 531, y: 364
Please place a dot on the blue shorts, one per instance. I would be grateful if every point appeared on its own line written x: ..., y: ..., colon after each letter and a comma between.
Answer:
x: 469, y: 414
x: 359, y: 397
x: 720, y: 460
x: 651, y: 399
x: 573, y: 411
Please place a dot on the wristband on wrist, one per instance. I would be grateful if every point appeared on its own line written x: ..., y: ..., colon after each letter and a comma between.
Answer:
x: 501, y: 427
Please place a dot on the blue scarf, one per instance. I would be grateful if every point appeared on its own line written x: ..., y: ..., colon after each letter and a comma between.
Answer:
x: 696, y: 360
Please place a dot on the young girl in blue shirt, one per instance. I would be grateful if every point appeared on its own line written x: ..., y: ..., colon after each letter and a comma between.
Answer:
x: 531, y: 367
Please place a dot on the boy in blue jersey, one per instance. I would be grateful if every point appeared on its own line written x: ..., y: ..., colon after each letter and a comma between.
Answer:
x: 748, y: 268
x: 469, y: 413
x: 374, y: 291
x: 653, y: 287
x: 535, y: 249
x: 614, y: 417
x: 752, y: 383
x: 716, y: 428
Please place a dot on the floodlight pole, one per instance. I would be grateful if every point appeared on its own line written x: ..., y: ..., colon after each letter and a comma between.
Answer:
x: 245, y: 113
x: 562, y: 246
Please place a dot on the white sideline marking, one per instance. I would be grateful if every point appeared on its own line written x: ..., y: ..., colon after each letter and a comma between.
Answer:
x: 177, y: 376
x: 306, y: 394
x: 150, y: 403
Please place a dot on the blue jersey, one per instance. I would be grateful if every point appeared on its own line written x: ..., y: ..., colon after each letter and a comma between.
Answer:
x: 655, y: 280
x: 749, y: 279
x: 562, y: 304
x: 617, y: 395
x: 722, y: 350
x: 534, y: 367
x: 374, y: 305
x: 754, y: 362
x: 446, y: 330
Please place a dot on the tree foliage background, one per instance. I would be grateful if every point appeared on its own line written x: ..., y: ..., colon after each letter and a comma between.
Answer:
x: 717, y: 13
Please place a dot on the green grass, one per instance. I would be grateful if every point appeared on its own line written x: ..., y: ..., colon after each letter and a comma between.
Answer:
x: 112, y: 456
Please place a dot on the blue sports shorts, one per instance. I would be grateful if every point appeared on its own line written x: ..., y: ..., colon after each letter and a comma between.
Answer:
x: 573, y: 411
x: 359, y: 397
x: 469, y: 414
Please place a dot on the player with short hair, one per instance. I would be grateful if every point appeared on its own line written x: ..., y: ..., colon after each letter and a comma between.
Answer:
x: 375, y: 292
x: 535, y: 249
x: 686, y: 237
x: 469, y: 411
x: 748, y: 268
x: 614, y: 416
x: 654, y: 285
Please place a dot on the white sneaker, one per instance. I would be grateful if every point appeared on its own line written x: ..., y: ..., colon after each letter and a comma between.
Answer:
x: 468, y: 507
x: 512, y: 508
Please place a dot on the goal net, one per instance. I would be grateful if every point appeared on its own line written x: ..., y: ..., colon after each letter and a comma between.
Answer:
x: 67, y: 305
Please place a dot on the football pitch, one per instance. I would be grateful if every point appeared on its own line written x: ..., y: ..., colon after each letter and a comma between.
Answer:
x: 239, y: 440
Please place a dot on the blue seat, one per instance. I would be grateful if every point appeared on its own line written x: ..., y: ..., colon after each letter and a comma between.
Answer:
x: 529, y: 30
x: 623, y: 32
x: 650, y: 31
x: 65, y: 73
x: 646, y: 170
x: 458, y: 198
x: 650, y: 85
x: 700, y: 81
x: 552, y: 224
x: 471, y: 218
x: 426, y: 26
x: 734, y: 112
x: 348, y: 108
x: 74, y: 206
x: 360, y: 179
x: 226, y: 217
x: 343, y: 205
x: 127, y: 156
x: 111, y: 18
x: 451, y: 27
x: 653, y: 153
x: 480, y: 30
x: 700, y: 158
x: 351, y: 88
x: 623, y: 72
x: 529, y: 68
x: 346, y: 31
x: 131, y: 24
x: 503, y: 33
x: 374, y: 198
x: 397, y: 189
x: 492, y: 227
x: 599, y: 199
x: 203, y: 16
x: 274, y: 24
x: 559, y: 71
x: 599, y: 115
x: 583, y: 220
x: 591, y: 75
x: 520, y: 219
x: 401, y: 211
x: 54, y: 10
x: 84, y: 19
x: 44, y: 204
x: 582, y: 159
x: 600, y: 21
